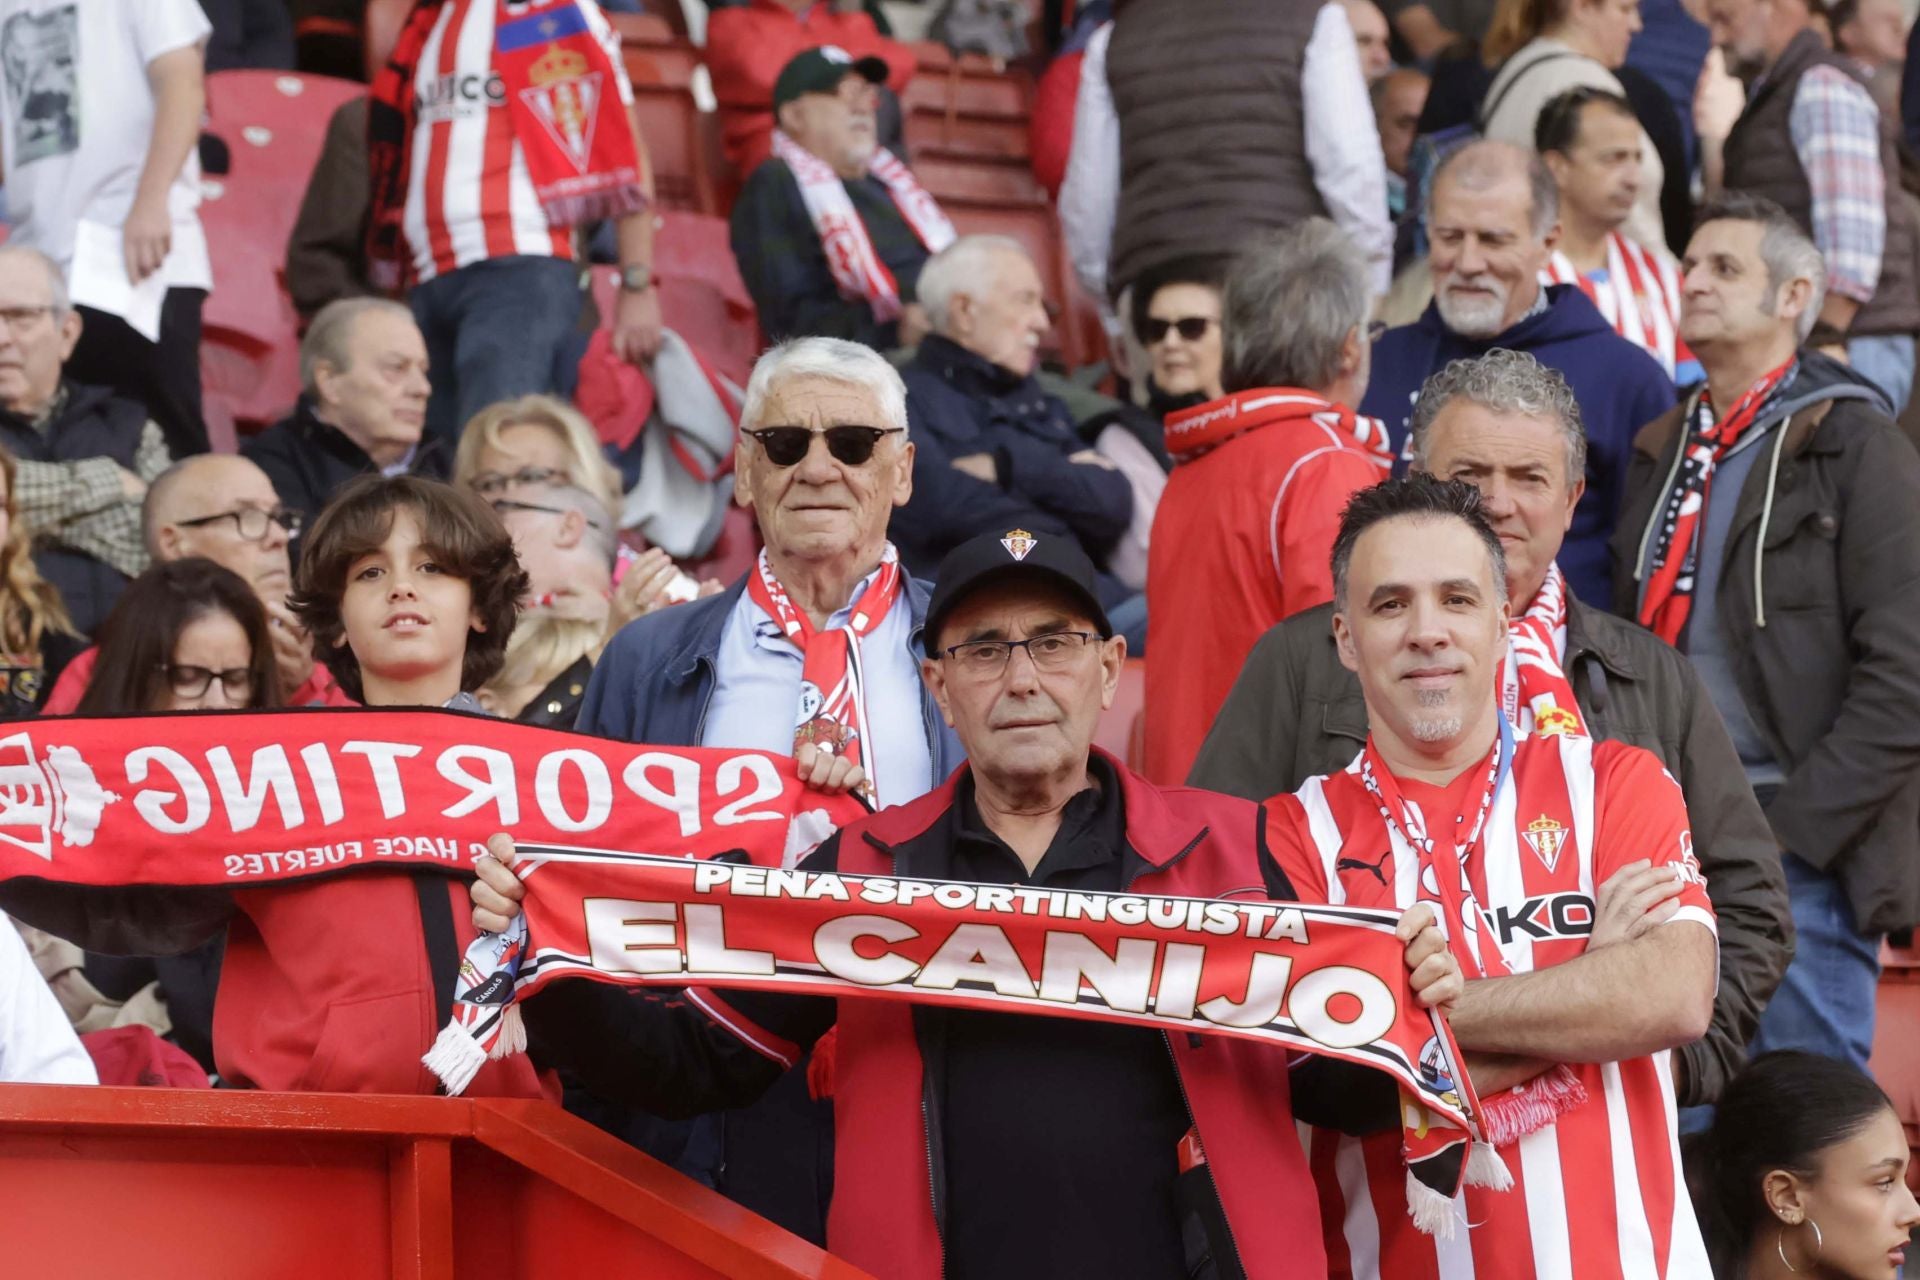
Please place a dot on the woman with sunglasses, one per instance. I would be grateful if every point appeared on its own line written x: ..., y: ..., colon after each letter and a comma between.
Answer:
x: 1176, y: 313
x: 37, y: 638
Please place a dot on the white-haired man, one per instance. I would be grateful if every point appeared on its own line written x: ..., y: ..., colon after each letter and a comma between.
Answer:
x: 823, y: 459
x: 996, y: 449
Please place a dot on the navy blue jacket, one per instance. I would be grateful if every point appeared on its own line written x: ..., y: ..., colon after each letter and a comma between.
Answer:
x: 958, y: 404
x: 1620, y: 389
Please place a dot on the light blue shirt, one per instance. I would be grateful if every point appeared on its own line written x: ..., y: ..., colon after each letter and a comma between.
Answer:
x: 756, y: 695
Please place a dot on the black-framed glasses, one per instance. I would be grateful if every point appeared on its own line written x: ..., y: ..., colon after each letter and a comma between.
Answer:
x: 488, y: 483
x: 503, y: 505
x: 853, y: 446
x: 251, y: 522
x: 1190, y: 328
x: 1053, y: 651
x: 193, y: 682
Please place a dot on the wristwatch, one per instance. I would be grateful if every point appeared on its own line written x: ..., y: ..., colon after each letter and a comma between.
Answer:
x: 636, y: 277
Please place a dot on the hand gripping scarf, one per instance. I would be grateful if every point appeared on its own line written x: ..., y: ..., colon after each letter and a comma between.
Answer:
x: 1535, y: 694
x: 1676, y: 550
x: 1191, y: 432
x: 1445, y: 883
x: 856, y: 268
x: 833, y: 690
x: 562, y: 96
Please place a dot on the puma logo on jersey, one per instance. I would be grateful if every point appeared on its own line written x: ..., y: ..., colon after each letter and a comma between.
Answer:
x: 1372, y: 868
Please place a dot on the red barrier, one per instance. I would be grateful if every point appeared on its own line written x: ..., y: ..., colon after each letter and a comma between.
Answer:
x: 230, y: 1184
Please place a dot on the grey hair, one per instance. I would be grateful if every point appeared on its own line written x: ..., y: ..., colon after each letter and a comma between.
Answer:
x: 1480, y: 164
x: 56, y: 280
x: 1784, y: 247
x: 327, y: 337
x: 1505, y: 382
x: 600, y: 527
x: 967, y: 261
x: 1291, y: 301
x: 836, y: 360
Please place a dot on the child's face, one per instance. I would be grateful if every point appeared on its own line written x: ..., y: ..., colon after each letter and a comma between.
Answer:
x: 406, y: 618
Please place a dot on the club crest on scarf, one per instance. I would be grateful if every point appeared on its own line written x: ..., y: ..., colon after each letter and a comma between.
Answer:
x: 41, y: 798
x: 1535, y: 694
x: 1019, y: 543
x: 565, y: 97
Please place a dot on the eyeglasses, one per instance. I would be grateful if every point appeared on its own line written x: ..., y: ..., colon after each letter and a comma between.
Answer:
x: 1054, y: 651
x: 1191, y: 328
x: 20, y: 317
x: 488, y: 483
x: 251, y: 522
x: 853, y: 446
x: 503, y: 505
x: 193, y: 682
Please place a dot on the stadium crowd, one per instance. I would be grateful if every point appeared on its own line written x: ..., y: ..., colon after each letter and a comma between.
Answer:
x: 1494, y: 408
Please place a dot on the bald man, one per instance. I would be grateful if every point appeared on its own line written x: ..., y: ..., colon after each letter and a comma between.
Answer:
x: 223, y: 507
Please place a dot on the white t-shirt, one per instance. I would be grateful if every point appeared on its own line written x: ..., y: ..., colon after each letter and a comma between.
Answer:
x: 78, y: 117
x: 37, y: 1045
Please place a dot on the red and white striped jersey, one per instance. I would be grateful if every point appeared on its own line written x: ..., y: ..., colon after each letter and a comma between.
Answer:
x: 1598, y: 1195
x: 1638, y: 291
x: 469, y: 196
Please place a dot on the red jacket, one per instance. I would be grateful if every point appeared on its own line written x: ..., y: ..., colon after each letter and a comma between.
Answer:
x: 748, y: 45
x: 1241, y: 540
x: 1195, y: 843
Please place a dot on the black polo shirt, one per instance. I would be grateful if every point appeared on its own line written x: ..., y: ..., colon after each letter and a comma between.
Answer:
x: 1060, y: 1135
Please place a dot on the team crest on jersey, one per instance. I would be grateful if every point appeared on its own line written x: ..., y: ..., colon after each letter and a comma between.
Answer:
x: 1549, y: 720
x: 1018, y: 543
x: 565, y: 97
x: 1546, y: 838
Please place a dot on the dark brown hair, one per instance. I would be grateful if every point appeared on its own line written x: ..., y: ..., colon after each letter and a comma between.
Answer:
x: 459, y: 528
x: 139, y: 635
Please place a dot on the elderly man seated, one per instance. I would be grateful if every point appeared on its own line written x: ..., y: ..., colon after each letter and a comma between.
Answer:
x: 224, y: 509
x: 86, y: 455
x: 996, y: 450
x: 832, y: 230
x: 363, y: 405
x: 987, y: 1144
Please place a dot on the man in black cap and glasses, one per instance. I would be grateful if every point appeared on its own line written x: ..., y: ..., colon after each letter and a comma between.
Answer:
x: 987, y: 1144
x: 831, y: 232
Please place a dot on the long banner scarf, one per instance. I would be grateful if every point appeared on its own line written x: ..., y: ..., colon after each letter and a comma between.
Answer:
x: 1639, y: 297
x: 1535, y: 694
x: 1323, y: 980
x: 857, y: 269
x: 832, y: 712
x: 1676, y: 550
x: 562, y: 97
x: 1445, y: 882
x: 1191, y: 432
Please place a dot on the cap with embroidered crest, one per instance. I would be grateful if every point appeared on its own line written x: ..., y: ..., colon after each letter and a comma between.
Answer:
x: 820, y: 71
x: 1014, y: 555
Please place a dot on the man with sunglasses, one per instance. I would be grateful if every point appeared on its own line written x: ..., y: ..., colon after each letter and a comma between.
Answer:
x: 223, y: 508
x: 814, y: 653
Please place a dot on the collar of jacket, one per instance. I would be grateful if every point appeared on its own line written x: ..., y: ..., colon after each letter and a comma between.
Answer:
x: 329, y: 439
x: 972, y: 373
x: 1821, y: 379
x: 706, y: 623
x: 1583, y: 641
x: 1801, y: 52
x: 1154, y: 833
x: 70, y: 399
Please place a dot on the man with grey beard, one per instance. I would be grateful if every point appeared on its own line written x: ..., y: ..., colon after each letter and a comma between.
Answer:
x: 1493, y: 220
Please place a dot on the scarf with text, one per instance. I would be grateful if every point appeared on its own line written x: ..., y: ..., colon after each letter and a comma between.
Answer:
x: 1638, y: 294
x: 1445, y: 881
x: 857, y: 269
x: 562, y: 97
x: 1535, y: 694
x: 1320, y: 980
x: 1668, y: 601
x: 832, y: 713
x: 1192, y: 432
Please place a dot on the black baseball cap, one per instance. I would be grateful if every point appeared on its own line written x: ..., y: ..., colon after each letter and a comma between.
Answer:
x: 820, y: 71
x: 1052, y: 558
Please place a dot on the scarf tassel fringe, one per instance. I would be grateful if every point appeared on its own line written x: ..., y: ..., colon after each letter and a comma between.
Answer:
x: 1432, y: 1213
x: 1508, y: 1117
x: 456, y: 1057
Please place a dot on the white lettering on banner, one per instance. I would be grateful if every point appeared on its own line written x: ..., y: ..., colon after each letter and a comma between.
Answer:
x: 641, y: 937
x: 381, y: 758
x: 1312, y: 998
x: 833, y: 947
x: 593, y: 771
x: 326, y: 787
x: 243, y: 802
x: 497, y: 788
x: 977, y: 953
x: 1266, y: 987
x: 766, y: 790
x: 197, y: 805
x: 683, y: 799
x: 1122, y: 979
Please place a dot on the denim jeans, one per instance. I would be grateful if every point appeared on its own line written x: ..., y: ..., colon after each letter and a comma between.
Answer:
x: 1825, y: 1003
x: 493, y: 332
x: 1888, y: 360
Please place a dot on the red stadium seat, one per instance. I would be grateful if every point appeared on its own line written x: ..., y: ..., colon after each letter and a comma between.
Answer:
x: 702, y: 297
x: 273, y: 123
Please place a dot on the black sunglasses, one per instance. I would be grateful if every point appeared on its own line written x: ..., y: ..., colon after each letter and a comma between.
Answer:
x: 852, y: 446
x: 1192, y: 329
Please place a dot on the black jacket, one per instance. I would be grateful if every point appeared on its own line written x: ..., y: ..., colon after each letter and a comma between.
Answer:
x: 1820, y: 597
x: 308, y: 461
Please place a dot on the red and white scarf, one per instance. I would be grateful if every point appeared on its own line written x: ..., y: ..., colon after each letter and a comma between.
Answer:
x: 1668, y: 601
x: 1640, y: 297
x: 1191, y: 432
x: 856, y: 268
x: 833, y: 696
x: 1535, y: 694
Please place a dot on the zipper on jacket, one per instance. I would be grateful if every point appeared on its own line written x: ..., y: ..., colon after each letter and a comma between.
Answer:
x: 1233, y: 1246
x: 933, y: 1185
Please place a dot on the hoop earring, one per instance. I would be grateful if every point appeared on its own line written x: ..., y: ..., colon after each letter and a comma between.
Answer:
x: 1780, y: 1247
x: 1819, y: 1242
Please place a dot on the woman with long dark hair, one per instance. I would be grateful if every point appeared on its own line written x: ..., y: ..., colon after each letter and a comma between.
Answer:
x: 37, y: 638
x: 187, y: 635
x: 1804, y: 1174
